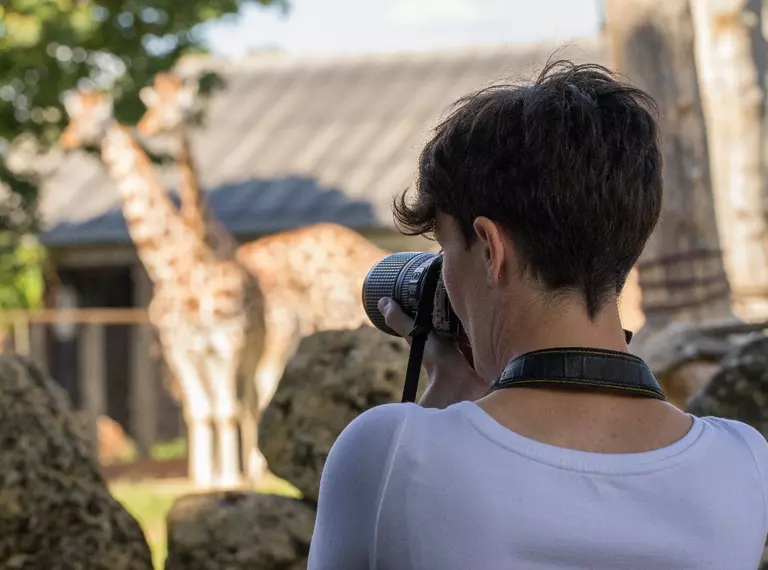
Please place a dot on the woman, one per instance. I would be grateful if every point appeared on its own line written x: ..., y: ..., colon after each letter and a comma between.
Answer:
x: 542, y: 197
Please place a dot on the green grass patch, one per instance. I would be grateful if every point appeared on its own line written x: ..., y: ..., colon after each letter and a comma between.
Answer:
x: 173, y: 449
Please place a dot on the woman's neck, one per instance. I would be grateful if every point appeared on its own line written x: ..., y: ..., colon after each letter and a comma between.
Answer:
x: 561, y: 324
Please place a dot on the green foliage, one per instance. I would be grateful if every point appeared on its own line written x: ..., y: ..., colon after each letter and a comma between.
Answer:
x: 51, y: 46
x: 22, y: 281
x: 47, y: 46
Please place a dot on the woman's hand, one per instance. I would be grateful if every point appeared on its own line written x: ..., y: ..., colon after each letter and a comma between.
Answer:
x: 450, y: 377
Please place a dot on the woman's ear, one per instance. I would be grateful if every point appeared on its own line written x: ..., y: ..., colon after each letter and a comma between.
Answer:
x: 491, y: 240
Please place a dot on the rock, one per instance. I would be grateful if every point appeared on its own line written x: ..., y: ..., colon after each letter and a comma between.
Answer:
x: 680, y: 356
x: 739, y: 389
x: 237, y: 530
x: 333, y: 377
x: 687, y: 380
x: 114, y: 443
x: 55, y: 509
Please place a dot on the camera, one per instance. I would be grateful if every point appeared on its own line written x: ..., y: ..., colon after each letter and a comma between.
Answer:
x: 410, y: 278
x: 414, y: 279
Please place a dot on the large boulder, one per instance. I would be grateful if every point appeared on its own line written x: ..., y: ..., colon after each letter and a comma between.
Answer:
x: 55, y: 509
x: 333, y: 377
x: 681, y: 356
x: 739, y: 389
x: 239, y: 531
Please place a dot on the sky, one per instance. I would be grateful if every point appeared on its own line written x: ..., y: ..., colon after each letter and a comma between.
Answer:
x: 355, y: 26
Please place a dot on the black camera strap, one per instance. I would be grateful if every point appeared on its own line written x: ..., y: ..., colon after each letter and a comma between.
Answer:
x: 422, y: 326
x: 585, y: 368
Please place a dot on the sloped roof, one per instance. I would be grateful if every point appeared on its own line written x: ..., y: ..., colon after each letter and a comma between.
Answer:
x: 292, y: 141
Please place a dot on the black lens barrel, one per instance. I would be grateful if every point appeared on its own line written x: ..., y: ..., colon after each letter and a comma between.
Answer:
x: 391, y: 277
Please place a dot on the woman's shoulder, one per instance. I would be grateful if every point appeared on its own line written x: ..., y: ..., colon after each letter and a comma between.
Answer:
x: 372, y: 434
x: 384, y: 421
x: 377, y: 434
x: 378, y: 426
x: 361, y: 457
x: 736, y: 432
x: 733, y: 435
x: 735, y: 429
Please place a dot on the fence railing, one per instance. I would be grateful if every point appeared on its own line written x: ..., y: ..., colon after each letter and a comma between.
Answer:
x: 30, y: 337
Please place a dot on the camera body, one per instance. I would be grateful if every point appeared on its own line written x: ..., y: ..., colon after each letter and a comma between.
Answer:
x: 406, y: 277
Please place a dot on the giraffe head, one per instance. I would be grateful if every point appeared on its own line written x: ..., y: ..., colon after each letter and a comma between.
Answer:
x: 171, y: 103
x: 90, y: 114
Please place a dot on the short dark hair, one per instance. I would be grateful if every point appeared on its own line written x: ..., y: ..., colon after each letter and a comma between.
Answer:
x: 570, y: 165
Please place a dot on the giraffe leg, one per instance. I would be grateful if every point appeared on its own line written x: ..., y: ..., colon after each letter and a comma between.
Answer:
x: 197, y: 415
x: 222, y: 374
x: 254, y: 463
x: 279, y: 346
x: 201, y: 463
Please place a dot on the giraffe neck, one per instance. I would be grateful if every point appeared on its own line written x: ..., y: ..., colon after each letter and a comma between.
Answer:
x: 194, y: 206
x: 161, y: 237
x: 194, y: 209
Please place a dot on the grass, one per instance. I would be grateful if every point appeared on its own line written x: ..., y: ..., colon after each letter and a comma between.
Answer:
x: 149, y: 502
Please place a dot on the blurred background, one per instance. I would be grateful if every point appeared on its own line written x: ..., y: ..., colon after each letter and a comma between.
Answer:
x: 274, y: 116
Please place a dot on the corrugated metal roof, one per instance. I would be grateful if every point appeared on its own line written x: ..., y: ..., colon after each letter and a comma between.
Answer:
x: 292, y: 141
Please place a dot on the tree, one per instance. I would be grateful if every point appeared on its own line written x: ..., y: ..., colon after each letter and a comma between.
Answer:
x: 50, y: 46
x: 681, y: 272
x: 732, y: 57
x: 682, y: 275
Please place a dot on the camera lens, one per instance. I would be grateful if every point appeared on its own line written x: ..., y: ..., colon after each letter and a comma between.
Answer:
x: 396, y: 276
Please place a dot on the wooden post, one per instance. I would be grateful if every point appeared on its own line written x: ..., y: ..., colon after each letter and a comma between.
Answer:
x: 21, y: 337
x: 38, y: 347
x: 92, y: 377
x: 143, y: 414
x: 143, y: 405
x: 681, y: 272
x: 732, y: 57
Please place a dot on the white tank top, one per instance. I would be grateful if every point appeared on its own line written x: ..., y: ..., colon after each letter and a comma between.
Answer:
x: 407, y: 488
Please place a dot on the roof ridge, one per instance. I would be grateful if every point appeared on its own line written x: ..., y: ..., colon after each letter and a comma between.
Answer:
x: 288, y: 61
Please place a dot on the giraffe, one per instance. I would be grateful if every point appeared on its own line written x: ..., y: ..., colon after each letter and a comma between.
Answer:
x: 171, y: 101
x: 311, y: 278
x: 206, y: 308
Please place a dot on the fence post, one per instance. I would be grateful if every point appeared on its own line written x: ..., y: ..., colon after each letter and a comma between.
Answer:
x: 143, y: 405
x: 38, y: 347
x: 143, y: 389
x: 21, y: 336
x: 92, y: 374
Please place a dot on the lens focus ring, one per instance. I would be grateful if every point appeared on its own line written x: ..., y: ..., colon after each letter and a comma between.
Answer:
x: 382, y: 281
